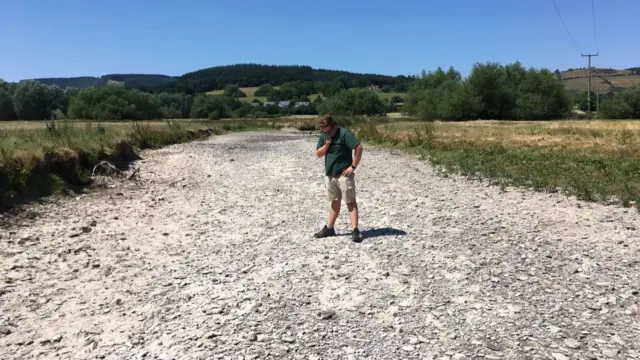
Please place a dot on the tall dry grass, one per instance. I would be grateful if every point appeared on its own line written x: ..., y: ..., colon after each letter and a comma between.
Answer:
x: 593, y: 160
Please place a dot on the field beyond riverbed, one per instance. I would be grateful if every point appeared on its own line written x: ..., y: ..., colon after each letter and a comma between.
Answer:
x: 593, y: 160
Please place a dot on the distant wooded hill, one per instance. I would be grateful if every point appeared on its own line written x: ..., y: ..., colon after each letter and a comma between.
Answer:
x: 253, y: 75
x: 136, y: 81
x: 243, y: 75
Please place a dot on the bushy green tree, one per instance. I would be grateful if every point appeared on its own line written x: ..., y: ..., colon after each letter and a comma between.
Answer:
x: 492, y: 91
x: 336, y: 86
x: 276, y: 95
x: 623, y: 105
x: 541, y: 96
x: 31, y: 100
x: 400, y: 84
x: 497, y: 94
x: 174, y: 106
x: 397, y: 99
x: 457, y: 102
x: 441, y: 95
x: 293, y: 90
x: 353, y: 102
x: 57, y: 99
x: 113, y: 103
x: 234, y: 92
x: 264, y: 90
x: 245, y: 110
x: 7, y: 111
x: 581, y: 100
x: 616, y: 109
x: 213, y: 107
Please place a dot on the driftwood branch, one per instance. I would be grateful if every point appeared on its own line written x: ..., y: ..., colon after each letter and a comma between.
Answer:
x: 107, y: 172
x: 106, y: 167
x: 133, y: 173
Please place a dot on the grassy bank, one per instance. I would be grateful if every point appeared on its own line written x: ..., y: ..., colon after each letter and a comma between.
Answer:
x: 593, y: 160
x: 43, y: 158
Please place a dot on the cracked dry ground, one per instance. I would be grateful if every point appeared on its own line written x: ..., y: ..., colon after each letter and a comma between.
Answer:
x: 212, y: 258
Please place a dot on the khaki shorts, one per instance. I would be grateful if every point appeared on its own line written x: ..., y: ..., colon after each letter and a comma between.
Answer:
x: 341, y: 188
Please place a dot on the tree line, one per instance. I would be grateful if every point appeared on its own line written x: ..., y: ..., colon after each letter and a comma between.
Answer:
x: 508, y: 92
x: 491, y: 91
x: 620, y: 104
x: 33, y: 100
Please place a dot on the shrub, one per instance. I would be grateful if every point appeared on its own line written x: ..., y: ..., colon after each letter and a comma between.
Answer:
x: 491, y: 91
x: 624, y: 105
x: 353, y: 102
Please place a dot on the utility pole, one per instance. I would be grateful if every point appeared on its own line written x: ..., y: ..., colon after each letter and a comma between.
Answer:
x: 589, y: 76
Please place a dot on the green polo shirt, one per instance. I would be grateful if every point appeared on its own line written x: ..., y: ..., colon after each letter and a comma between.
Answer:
x: 340, y: 154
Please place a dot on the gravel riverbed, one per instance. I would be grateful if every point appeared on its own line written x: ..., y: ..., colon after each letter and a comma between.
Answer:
x: 211, y: 256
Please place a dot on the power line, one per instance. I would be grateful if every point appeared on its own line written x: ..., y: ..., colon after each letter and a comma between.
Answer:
x: 593, y: 14
x: 589, y: 76
x: 565, y: 25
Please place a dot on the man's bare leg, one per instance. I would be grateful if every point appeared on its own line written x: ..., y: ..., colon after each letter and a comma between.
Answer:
x: 328, y: 230
x: 353, y: 214
x: 334, y: 210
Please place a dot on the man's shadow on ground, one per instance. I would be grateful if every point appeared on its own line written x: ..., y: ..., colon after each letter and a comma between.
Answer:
x: 377, y: 232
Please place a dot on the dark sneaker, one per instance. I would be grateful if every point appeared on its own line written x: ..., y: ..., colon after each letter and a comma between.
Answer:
x: 355, y: 235
x: 325, y: 232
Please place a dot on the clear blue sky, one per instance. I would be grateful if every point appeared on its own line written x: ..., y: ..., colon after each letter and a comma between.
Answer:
x: 60, y: 38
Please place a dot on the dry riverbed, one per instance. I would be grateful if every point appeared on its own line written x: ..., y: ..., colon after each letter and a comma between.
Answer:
x: 211, y: 256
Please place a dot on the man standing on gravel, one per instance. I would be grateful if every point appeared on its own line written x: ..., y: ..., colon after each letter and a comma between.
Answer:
x: 336, y: 144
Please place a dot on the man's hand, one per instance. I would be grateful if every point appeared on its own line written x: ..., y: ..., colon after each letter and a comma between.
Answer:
x: 356, y: 159
x: 322, y: 151
x: 348, y: 171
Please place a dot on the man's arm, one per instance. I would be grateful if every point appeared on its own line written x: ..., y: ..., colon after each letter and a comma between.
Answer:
x: 357, y: 155
x: 322, y: 146
x: 356, y: 146
x: 322, y: 151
